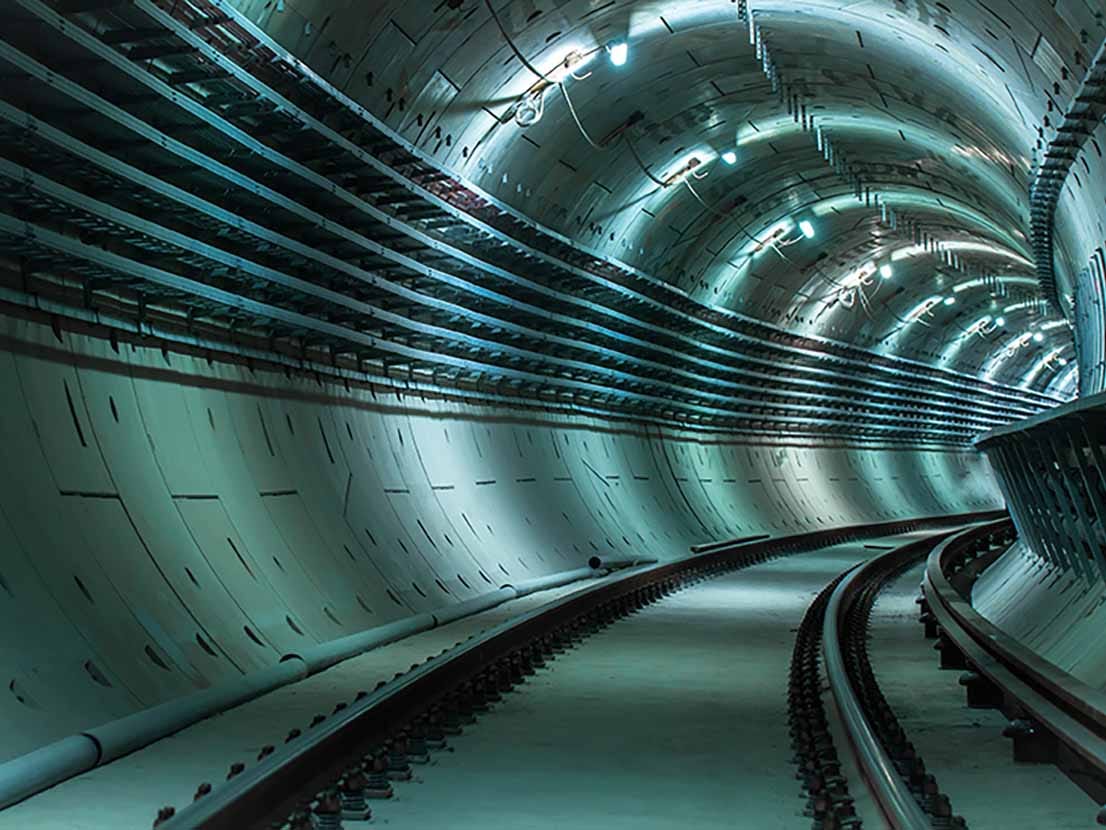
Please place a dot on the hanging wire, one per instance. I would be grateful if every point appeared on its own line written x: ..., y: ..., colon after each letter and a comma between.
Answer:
x: 865, y: 303
x: 568, y: 100
x: 716, y: 212
x: 576, y: 118
x: 641, y: 164
x: 633, y: 151
x: 515, y: 49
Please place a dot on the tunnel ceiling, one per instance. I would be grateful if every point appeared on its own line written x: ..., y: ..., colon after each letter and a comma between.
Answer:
x: 885, y: 124
x: 772, y: 220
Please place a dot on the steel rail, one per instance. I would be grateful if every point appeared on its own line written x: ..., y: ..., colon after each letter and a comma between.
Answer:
x: 1071, y: 710
x: 286, y: 778
x: 883, y: 781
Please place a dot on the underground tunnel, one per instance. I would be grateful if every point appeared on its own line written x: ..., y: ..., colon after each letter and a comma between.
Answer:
x: 545, y: 413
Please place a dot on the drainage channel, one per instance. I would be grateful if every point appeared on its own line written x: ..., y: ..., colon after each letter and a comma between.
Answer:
x: 675, y: 715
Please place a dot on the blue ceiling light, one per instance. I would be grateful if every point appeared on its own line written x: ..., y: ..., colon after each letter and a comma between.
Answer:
x: 886, y: 271
x: 1000, y: 322
x: 950, y: 300
x: 1038, y: 337
x: 807, y: 229
x: 618, y: 51
x: 730, y: 157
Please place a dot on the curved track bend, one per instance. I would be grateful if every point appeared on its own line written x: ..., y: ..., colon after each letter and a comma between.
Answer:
x: 677, y: 715
x: 680, y: 715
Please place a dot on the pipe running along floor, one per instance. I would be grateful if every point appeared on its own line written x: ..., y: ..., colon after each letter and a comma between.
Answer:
x: 673, y: 717
x: 127, y: 793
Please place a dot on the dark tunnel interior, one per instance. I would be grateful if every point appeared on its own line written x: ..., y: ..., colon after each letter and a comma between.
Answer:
x: 334, y: 334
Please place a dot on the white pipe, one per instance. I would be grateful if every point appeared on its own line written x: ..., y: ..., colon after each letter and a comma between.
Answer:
x: 47, y: 766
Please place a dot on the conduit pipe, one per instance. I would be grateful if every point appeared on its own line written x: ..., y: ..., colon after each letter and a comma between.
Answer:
x: 47, y: 766
x: 711, y: 547
x: 616, y: 564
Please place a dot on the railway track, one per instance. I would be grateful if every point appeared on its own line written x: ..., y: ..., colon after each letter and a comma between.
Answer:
x: 834, y: 635
x: 1054, y: 718
x: 856, y: 762
x: 328, y: 769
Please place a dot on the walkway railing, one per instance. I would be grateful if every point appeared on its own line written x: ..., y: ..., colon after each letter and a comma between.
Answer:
x: 1052, y: 469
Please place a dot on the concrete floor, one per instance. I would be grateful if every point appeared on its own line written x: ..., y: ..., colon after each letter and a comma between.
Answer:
x: 673, y: 717
x: 127, y: 793
x: 964, y: 747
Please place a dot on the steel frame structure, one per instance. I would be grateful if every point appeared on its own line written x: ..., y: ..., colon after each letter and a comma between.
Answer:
x: 1052, y: 469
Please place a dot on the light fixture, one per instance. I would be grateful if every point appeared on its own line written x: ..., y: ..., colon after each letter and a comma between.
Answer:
x: 886, y: 271
x: 1038, y: 337
x: 1000, y: 322
x: 950, y: 300
x: 807, y: 228
x: 730, y: 157
x: 618, y: 52
x: 1063, y: 362
x: 574, y: 62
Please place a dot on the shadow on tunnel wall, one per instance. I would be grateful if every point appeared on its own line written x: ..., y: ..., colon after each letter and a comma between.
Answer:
x: 168, y: 521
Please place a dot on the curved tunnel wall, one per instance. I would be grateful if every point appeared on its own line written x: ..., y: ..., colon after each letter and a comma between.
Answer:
x: 1047, y: 589
x: 168, y: 522
x: 997, y: 83
x: 1054, y: 612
